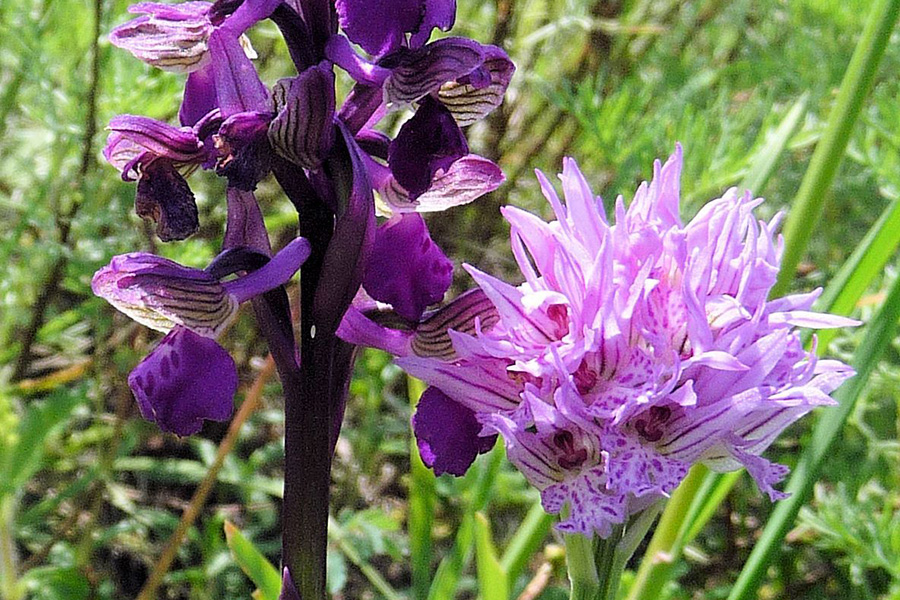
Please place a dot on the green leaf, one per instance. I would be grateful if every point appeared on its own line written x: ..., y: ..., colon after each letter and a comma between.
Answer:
x: 251, y: 561
x: 858, y: 80
x: 764, y: 162
x: 493, y: 581
x: 42, y: 419
x: 54, y: 583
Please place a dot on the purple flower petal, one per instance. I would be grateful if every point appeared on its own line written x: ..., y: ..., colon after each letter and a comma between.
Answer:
x: 172, y: 37
x: 447, y: 433
x: 245, y: 226
x: 436, y: 13
x: 134, y: 139
x: 472, y: 97
x: 199, y: 96
x: 405, y: 268
x: 466, y: 180
x: 429, y: 142
x: 186, y: 379
x: 303, y: 131
x: 238, y: 86
x: 164, y: 196
x: 378, y: 26
x: 274, y: 273
x: 245, y: 155
x: 468, y: 313
x: 418, y: 73
x: 162, y: 294
x: 358, y: 329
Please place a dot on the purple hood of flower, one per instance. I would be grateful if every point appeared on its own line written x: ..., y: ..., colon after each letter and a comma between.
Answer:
x: 631, y: 351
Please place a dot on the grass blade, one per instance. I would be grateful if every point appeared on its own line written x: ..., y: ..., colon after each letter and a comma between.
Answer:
x: 879, y: 335
x: 493, y: 581
x: 809, y: 202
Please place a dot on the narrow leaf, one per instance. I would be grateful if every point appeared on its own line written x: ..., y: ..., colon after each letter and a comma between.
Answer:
x: 493, y: 582
x: 252, y: 562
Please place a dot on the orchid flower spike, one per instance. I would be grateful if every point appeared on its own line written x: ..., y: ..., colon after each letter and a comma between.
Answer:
x: 188, y: 377
x: 631, y: 351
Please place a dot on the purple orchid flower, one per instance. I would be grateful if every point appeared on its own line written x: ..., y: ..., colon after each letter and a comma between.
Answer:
x: 630, y: 352
x: 188, y: 377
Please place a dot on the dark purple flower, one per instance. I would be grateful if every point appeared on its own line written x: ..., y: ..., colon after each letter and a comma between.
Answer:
x: 406, y: 269
x: 244, y: 152
x: 154, y: 153
x: 188, y: 377
x: 429, y: 142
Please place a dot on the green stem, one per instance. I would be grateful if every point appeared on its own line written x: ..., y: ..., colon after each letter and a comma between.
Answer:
x: 667, y: 543
x: 858, y: 79
x: 421, y: 507
x: 582, y: 569
x: 594, y: 565
x: 9, y: 588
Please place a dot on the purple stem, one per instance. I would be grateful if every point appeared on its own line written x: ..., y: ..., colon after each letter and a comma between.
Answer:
x: 308, y: 413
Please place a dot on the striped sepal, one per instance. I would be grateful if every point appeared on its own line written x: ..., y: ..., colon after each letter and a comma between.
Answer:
x: 161, y: 294
x: 431, y: 338
x: 467, y: 179
x: 303, y: 131
x: 173, y: 38
x: 418, y: 73
x: 471, y: 101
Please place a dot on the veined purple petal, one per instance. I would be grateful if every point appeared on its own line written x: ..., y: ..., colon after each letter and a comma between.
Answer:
x: 481, y: 387
x: 162, y: 294
x: 472, y: 97
x: 187, y: 378
x: 466, y: 180
x: 428, y: 143
x: 406, y: 269
x: 172, y: 37
x: 468, y: 313
x: 303, y: 131
x: 132, y: 135
x: 417, y: 73
x: 447, y: 433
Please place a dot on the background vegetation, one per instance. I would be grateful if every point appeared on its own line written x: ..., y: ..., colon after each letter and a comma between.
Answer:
x: 90, y: 494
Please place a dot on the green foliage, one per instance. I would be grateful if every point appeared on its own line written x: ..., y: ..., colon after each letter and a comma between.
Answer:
x: 89, y: 493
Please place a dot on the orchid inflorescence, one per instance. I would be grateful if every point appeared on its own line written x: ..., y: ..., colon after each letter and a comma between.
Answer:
x: 631, y: 351
x: 332, y: 162
x: 230, y: 122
